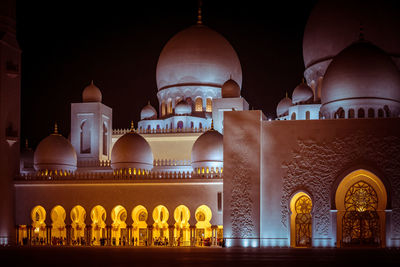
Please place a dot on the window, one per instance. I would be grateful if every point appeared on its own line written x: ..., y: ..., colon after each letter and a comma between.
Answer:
x: 105, y: 139
x: 199, y: 104
x: 209, y: 105
x: 351, y: 113
x: 169, y: 111
x: 200, y: 126
x: 361, y: 113
x: 85, y: 137
x: 219, y: 201
x: 163, y: 109
x: 387, y: 111
x: 307, y: 115
x: 380, y: 113
x: 293, y: 117
x: 180, y: 125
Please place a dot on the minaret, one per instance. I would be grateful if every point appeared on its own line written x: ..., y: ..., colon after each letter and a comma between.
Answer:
x: 10, y: 91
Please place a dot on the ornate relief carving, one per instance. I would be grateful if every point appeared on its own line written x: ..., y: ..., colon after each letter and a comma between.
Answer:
x: 315, y: 166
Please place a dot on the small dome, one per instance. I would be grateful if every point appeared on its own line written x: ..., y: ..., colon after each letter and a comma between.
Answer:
x: 131, y: 151
x: 148, y: 112
x: 302, y: 93
x: 283, y: 107
x: 183, y: 108
x: 55, y: 152
x: 208, y: 150
x: 91, y: 93
x: 361, y: 72
x: 230, y: 89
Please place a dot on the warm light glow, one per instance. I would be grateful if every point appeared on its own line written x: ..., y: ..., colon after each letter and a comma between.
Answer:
x: 199, y: 104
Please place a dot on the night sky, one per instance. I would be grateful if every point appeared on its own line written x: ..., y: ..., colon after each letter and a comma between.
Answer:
x: 66, y: 44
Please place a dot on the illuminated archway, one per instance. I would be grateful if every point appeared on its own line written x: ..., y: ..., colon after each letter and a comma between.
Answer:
x: 59, y: 233
x: 139, y: 226
x: 182, y: 230
x: 38, y: 215
x: 361, y: 200
x: 160, y: 226
x: 98, y: 216
x: 119, y: 235
x: 78, y: 216
x: 301, y: 220
x: 203, y: 216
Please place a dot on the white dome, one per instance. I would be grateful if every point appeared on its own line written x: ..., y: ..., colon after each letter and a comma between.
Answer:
x: 230, y: 89
x: 302, y: 93
x: 283, y: 107
x: 55, y: 152
x: 361, y: 73
x: 183, y: 108
x: 148, y: 112
x: 208, y: 150
x: 91, y: 93
x: 197, y: 56
x: 131, y: 151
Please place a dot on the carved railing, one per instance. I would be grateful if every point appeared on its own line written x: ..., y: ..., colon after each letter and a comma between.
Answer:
x: 161, y: 131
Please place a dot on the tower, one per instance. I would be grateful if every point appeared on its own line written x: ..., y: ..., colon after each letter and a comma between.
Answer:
x: 91, y: 126
x: 10, y: 90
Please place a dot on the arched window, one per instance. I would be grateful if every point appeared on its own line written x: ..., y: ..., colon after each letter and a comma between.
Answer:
x: 85, y: 137
x: 158, y: 128
x: 209, y: 105
x: 380, y: 113
x: 371, y: 113
x: 293, y: 117
x: 199, y: 104
x: 191, y: 124
x: 351, y: 113
x: 361, y: 113
x: 301, y: 220
x: 341, y: 113
x: 200, y: 126
x: 180, y: 125
x: 307, y: 115
x: 169, y: 110
x: 387, y: 111
x: 163, y: 109
x: 105, y: 139
x: 149, y: 127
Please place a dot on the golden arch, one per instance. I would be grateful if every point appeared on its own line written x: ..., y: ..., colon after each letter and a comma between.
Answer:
x: 38, y: 215
x: 300, y: 220
x: 182, y: 226
x: 98, y: 216
x: 119, y: 235
x: 139, y: 226
x: 78, y: 217
x: 160, y: 226
x: 371, y: 188
x: 203, y: 216
x: 58, y: 216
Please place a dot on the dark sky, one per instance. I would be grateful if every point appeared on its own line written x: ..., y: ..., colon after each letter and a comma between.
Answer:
x: 66, y: 44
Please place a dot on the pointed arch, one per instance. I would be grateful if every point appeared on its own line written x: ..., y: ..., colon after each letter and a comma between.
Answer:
x: 182, y: 230
x: 59, y: 233
x: 78, y: 217
x: 139, y: 226
x: 98, y: 216
x: 203, y: 216
x: 301, y: 220
x: 119, y: 234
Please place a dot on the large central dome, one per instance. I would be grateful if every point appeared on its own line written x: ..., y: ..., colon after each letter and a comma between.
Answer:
x: 197, y: 56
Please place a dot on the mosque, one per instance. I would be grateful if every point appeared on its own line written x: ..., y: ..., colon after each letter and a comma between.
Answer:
x: 207, y: 171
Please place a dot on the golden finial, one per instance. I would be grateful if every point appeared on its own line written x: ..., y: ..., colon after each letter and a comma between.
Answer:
x: 199, y: 17
x: 302, y: 80
x: 132, y: 127
x: 286, y: 95
x: 361, y: 33
x: 212, y: 124
x: 91, y: 83
x: 55, y: 128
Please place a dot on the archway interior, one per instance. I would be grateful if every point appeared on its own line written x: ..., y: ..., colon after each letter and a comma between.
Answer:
x: 78, y: 217
x: 361, y: 200
x: 98, y: 216
x: 301, y: 220
x: 59, y: 232
x: 203, y: 216
x: 160, y: 226
x: 182, y: 226
x: 139, y: 226
x: 38, y: 216
x: 119, y: 235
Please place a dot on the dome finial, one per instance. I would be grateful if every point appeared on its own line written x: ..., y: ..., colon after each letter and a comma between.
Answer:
x: 199, y: 17
x: 361, y: 33
x: 148, y: 102
x: 55, y: 128
x: 286, y: 95
x: 91, y: 83
x: 132, y: 127
x: 302, y: 80
x: 212, y: 124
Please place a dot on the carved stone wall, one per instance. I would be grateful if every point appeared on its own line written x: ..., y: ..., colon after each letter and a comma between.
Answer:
x: 316, y: 165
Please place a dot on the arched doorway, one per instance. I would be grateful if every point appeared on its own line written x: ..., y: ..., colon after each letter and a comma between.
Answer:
x: 301, y: 220
x: 119, y: 234
x: 160, y: 226
x: 361, y: 202
x: 78, y: 216
x: 182, y: 230
x: 59, y: 233
x: 203, y: 216
x: 38, y: 236
x: 139, y: 226
x: 98, y: 216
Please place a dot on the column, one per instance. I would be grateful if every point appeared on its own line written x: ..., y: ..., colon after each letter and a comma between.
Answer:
x: 108, y: 235
x: 88, y: 237
x: 171, y: 235
x: 29, y: 234
x: 17, y: 241
x: 129, y: 229
x: 149, y: 235
x: 68, y: 234
x: 48, y: 234
x: 192, y: 235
